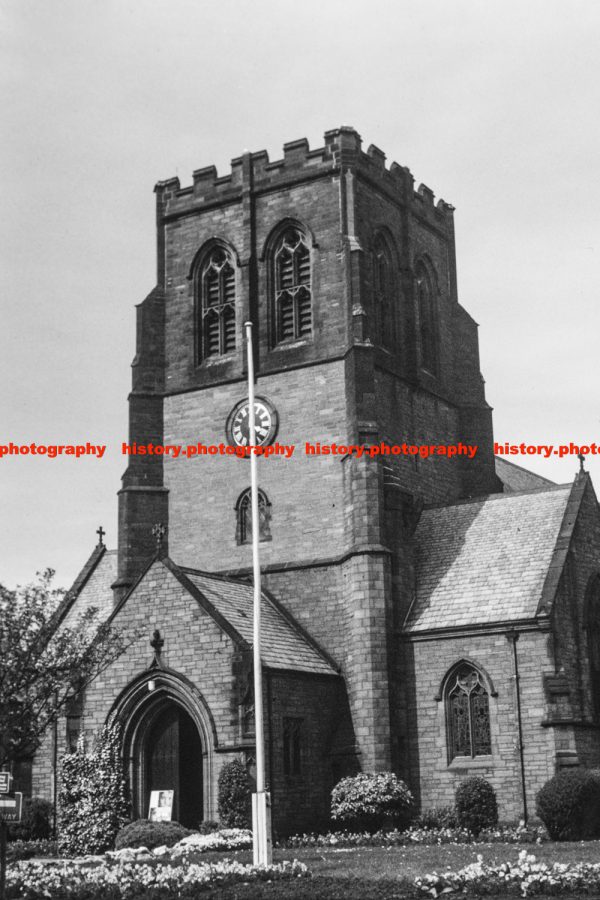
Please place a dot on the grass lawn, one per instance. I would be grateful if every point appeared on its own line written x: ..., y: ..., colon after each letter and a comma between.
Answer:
x: 374, y: 873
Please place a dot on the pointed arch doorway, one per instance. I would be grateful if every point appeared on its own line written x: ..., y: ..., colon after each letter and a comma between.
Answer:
x: 169, y: 741
x: 172, y: 760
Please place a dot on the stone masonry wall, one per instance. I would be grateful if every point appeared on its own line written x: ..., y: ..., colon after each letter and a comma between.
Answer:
x: 429, y: 772
x: 301, y: 802
x: 305, y: 492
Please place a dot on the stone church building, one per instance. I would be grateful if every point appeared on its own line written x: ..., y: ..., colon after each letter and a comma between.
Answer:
x: 438, y: 617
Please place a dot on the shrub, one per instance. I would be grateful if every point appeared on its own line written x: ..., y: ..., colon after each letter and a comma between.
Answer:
x: 36, y: 823
x: 144, y: 833
x: 18, y: 850
x: 569, y: 805
x: 209, y: 826
x: 92, y: 804
x: 437, y: 817
x: 476, y: 805
x: 235, y: 796
x: 371, y: 801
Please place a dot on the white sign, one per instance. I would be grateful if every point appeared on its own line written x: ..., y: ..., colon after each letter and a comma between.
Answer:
x: 161, y: 806
x: 5, y: 779
x: 11, y: 807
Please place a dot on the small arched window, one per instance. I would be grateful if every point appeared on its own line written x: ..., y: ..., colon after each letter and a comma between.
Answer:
x: 243, y: 510
x: 467, y: 713
x: 383, y: 295
x: 292, y: 300
x: 427, y: 319
x: 593, y: 641
x: 216, y: 304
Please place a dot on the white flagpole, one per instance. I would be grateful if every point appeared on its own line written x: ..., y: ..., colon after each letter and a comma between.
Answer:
x: 261, y: 837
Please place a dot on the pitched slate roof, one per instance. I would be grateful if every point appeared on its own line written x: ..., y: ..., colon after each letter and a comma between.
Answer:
x: 485, y: 560
x: 283, y: 644
x: 516, y: 478
x: 92, y: 587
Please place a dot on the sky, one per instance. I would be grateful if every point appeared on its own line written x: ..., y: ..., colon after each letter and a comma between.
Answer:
x: 494, y: 105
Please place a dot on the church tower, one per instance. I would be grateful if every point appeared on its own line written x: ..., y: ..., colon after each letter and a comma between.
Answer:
x: 349, y: 276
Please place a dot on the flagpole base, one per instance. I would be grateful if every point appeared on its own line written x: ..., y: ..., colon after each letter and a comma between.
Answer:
x: 262, y: 844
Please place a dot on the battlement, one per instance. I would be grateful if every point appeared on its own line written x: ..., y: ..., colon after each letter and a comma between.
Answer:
x: 255, y: 172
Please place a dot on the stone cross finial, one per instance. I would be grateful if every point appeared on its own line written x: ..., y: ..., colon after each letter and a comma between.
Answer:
x: 100, y: 532
x: 159, y: 532
x: 581, y: 458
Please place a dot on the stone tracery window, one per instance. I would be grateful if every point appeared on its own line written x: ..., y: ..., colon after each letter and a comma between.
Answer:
x: 216, y: 304
x: 383, y: 295
x: 593, y: 640
x: 292, y: 300
x: 244, y: 517
x: 427, y: 319
x: 467, y: 713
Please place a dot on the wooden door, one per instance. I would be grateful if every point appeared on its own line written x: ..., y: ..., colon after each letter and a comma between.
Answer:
x: 174, y: 762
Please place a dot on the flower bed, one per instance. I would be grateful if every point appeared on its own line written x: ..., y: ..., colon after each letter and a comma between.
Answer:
x: 118, y: 881
x: 501, y: 834
x: 527, y: 878
x: 17, y: 850
x: 225, y: 839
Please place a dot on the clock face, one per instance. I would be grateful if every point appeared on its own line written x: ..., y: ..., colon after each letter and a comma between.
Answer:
x: 265, y: 423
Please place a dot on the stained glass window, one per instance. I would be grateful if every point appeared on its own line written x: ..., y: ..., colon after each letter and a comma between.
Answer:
x: 244, y: 518
x: 292, y: 311
x: 468, y: 714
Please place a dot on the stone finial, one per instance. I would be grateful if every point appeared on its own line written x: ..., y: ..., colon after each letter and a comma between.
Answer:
x: 157, y: 643
x: 159, y: 530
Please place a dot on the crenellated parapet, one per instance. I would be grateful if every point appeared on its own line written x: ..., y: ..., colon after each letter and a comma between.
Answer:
x: 342, y: 151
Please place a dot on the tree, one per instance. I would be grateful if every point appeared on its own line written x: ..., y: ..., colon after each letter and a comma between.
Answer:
x: 45, y: 662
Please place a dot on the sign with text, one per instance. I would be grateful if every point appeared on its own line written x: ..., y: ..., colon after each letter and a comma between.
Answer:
x: 5, y: 779
x: 11, y: 806
x: 161, y: 806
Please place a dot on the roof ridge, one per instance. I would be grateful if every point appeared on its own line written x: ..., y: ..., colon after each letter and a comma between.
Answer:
x: 509, y: 462
x: 216, y: 575
x: 546, y: 489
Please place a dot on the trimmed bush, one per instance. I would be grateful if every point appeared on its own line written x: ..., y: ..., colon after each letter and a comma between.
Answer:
x: 569, y: 805
x: 372, y: 801
x: 36, y: 824
x: 143, y: 833
x: 476, y: 804
x: 437, y: 817
x: 92, y: 803
x: 235, y: 796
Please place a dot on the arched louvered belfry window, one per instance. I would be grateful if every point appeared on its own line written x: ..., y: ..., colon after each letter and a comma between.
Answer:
x: 292, y: 299
x: 384, y: 313
x: 427, y: 319
x: 216, y: 304
x: 593, y: 642
x: 467, y: 713
x: 243, y: 510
